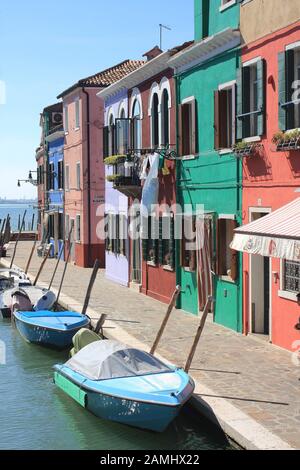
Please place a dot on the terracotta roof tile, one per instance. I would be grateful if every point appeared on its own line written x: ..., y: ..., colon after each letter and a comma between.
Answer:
x: 107, y: 77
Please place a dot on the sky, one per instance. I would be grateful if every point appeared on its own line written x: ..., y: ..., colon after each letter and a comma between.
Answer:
x: 45, y: 47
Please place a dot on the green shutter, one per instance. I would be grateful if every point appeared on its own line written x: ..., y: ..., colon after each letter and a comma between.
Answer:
x: 261, y: 96
x: 282, y: 98
x: 160, y: 242
x: 172, y: 244
x: 239, y: 105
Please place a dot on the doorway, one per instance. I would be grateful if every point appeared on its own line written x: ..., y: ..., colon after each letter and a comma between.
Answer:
x: 260, y: 305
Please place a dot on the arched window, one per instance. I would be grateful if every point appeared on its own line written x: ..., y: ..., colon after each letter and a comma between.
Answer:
x: 154, y: 118
x: 136, y: 116
x: 165, y: 122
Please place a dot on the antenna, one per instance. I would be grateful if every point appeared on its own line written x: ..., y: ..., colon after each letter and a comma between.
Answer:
x: 161, y: 27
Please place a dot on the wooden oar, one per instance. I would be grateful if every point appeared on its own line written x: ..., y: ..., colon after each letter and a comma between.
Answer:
x: 166, y: 319
x: 198, y: 334
x: 17, y: 241
x: 31, y: 255
x: 42, y: 266
x: 90, y: 286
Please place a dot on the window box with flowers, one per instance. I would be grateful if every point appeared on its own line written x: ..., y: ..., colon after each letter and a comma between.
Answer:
x: 245, y: 149
x: 287, y: 141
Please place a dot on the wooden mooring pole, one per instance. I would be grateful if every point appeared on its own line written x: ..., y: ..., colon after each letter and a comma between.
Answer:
x: 198, y: 334
x: 90, y: 286
x: 63, y: 276
x: 17, y: 240
x: 42, y: 266
x: 166, y: 319
x: 31, y: 255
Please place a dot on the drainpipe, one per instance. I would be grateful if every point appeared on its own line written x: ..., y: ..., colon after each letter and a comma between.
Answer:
x: 88, y: 170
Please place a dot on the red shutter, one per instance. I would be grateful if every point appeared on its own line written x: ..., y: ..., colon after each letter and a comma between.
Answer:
x: 234, y: 255
x: 193, y: 129
x: 180, y: 136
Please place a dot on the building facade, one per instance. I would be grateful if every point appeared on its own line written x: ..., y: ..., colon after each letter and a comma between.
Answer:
x: 208, y: 173
x: 268, y: 109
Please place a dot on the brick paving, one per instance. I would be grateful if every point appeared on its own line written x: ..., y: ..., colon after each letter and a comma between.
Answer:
x: 255, y: 377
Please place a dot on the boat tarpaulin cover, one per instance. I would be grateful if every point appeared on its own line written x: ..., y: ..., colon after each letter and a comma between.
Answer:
x: 275, y: 235
x: 110, y: 359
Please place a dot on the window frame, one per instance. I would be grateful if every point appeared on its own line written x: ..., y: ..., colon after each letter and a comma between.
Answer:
x: 67, y: 177
x: 226, y: 87
x: 78, y: 176
x: 220, y: 249
x: 165, y: 114
x: 66, y: 119
x: 78, y: 228
x: 77, y: 114
x: 193, y: 129
x: 285, y: 294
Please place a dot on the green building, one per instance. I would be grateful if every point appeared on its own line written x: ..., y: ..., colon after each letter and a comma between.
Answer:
x: 209, y: 173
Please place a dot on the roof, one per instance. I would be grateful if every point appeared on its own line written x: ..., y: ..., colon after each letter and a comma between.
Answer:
x: 149, y: 69
x: 200, y: 51
x: 106, y: 77
x: 276, y: 235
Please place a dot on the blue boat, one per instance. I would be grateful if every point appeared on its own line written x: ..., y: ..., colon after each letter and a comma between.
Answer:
x: 126, y: 385
x: 47, y: 328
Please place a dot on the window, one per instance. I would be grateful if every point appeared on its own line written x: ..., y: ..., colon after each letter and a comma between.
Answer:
x: 224, y: 129
x: 116, y: 233
x: 289, y: 76
x: 159, y: 247
x: 226, y: 257
x: 78, y: 175
x: 187, y: 128
x: 67, y: 226
x: 78, y: 231
x: 136, y: 125
x: 188, y: 243
x: 122, y: 128
x: 60, y: 175
x: 154, y: 121
x: 251, y: 100
x: 51, y: 176
x: 165, y: 121
x: 66, y: 118
x: 40, y: 175
x: 77, y: 114
x: 51, y: 226
x: 67, y: 177
x: 291, y: 276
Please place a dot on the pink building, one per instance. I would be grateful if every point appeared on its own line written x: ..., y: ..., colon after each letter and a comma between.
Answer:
x: 83, y: 162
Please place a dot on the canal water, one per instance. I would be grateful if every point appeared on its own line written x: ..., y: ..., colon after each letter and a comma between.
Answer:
x: 16, y: 211
x: 34, y: 414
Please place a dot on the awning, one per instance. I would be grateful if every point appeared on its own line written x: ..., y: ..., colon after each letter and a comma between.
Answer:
x: 276, y: 235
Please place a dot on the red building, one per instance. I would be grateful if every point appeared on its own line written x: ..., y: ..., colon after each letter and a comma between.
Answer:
x: 268, y: 122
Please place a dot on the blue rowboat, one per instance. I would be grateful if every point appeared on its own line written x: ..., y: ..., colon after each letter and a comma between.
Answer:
x: 53, y: 329
x: 126, y: 385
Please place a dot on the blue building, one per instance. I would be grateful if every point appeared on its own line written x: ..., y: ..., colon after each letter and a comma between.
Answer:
x: 55, y: 190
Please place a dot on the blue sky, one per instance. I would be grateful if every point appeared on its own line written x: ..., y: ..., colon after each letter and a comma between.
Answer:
x: 48, y: 46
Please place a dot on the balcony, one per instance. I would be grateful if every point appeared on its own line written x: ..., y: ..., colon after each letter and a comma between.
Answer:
x: 126, y: 174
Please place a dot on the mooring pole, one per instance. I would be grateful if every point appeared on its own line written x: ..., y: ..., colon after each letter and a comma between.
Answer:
x: 90, y: 286
x: 31, y: 255
x: 63, y: 276
x: 166, y: 319
x: 42, y: 265
x: 17, y: 241
x: 198, y: 334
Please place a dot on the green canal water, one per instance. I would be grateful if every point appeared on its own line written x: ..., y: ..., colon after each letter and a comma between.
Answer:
x: 34, y: 414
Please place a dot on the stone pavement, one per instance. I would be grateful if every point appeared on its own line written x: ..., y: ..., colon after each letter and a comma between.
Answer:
x: 248, y: 386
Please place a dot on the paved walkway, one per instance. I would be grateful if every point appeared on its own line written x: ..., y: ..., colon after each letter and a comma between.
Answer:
x: 248, y: 386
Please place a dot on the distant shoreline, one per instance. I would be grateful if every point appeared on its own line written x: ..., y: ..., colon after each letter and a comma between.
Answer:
x: 18, y: 201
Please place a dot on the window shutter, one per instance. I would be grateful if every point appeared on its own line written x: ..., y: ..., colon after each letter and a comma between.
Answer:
x: 180, y: 136
x: 234, y: 256
x: 193, y: 262
x: 216, y: 120
x: 105, y: 141
x: 182, y: 245
x: 117, y: 246
x: 194, y: 146
x: 145, y: 243
x: 172, y: 243
x: 239, y: 105
x: 261, y: 80
x: 219, y: 247
x: 290, y: 75
x: 282, y: 98
x: 160, y: 243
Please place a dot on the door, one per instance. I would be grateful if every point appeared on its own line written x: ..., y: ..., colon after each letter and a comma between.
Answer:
x: 260, y: 290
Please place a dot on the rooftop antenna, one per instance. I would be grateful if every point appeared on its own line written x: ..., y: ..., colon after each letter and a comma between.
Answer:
x: 161, y: 27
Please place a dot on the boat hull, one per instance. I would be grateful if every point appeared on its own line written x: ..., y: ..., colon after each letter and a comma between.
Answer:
x: 36, y: 334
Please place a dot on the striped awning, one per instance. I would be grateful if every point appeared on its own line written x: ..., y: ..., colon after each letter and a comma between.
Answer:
x: 276, y: 235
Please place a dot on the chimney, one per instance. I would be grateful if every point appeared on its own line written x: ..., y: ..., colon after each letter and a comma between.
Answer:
x: 154, y: 52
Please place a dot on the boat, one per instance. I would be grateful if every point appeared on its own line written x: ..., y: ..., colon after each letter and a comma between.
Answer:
x: 124, y: 384
x: 47, y: 328
x: 9, y: 280
x: 25, y: 298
